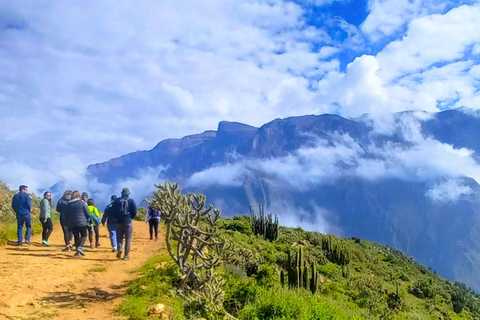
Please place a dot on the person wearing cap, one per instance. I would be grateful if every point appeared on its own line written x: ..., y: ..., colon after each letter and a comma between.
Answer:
x: 124, y: 210
x: 108, y: 218
x: 21, y: 204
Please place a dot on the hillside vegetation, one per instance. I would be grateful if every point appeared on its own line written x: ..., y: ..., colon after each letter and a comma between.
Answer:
x: 293, y: 274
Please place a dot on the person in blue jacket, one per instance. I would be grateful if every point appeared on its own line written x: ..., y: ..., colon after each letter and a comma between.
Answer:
x: 108, y: 218
x: 21, y: 204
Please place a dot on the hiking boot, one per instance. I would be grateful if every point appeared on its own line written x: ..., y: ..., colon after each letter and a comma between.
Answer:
x: 126, y: 258
x: 119, y: 254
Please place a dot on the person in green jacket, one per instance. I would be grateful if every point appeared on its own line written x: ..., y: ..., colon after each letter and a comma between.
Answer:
x: 45, y: 217
x: 93, y: 223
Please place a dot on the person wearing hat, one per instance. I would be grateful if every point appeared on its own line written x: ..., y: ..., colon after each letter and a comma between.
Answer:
x: 21, y: 204
x: 108, y: 218
x: 124, y: 211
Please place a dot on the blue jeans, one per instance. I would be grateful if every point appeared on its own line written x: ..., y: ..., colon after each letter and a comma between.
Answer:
x: 112, y: 232
x: 21, y: 220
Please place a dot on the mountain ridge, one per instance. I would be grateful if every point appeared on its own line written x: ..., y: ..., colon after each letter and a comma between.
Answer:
x: 341, y: 175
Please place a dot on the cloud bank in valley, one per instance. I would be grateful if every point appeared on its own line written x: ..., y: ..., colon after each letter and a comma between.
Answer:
x: 421, y: 159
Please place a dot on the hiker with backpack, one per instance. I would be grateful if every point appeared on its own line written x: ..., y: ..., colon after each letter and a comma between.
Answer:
x: 153, y: 218
x: 108, y: 218
x: 94, y: 223
x: 124, y: 211
x: 45, y: 217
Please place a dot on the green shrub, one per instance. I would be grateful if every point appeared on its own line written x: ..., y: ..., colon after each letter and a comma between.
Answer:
x: 238, y: 225
x: 238, y: 293
x: 299, y: 304
x: 330, y: 270
x: 367, y: 292
x: 141, y: 212
x: 267, y: 276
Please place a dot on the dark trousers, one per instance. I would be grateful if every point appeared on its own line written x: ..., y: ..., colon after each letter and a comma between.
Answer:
x: 124, y: 231
x: 80, y: 236
x: 21, y: 220
x: 47, y: 229
x: 91, y: 230
x: 67, y: 234
x: 153, y: 225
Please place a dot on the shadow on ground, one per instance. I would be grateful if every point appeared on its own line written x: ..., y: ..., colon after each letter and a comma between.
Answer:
x: 65, y: 299
x: 59, y: 256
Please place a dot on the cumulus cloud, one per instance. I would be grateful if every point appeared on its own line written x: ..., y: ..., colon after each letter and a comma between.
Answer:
x: 386, y: 17
x: 429, y: 40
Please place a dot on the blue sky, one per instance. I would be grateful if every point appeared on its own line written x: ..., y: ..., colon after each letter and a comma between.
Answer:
x: 84, y: 82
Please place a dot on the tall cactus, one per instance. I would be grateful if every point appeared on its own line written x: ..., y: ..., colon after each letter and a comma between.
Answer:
x: 297, y: 272
x: 265, y: 226
x: 314, y: 279
x: 334, y: 252
x: 192, y: 238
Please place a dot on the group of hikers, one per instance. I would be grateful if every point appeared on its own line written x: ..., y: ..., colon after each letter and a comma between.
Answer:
x: 79, y: 216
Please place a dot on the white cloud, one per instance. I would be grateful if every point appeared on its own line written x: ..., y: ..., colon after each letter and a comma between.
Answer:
x: 388, y: 16
x: 429, y: 40
x: 448, y: 191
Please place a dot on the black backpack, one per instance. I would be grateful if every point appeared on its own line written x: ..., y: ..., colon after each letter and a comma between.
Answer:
x: 121, y: 209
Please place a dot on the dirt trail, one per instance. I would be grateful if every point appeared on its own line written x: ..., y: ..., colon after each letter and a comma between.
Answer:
x: 38, y: 282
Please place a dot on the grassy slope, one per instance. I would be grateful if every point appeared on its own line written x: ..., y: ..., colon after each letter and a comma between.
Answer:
x: 363, y: 290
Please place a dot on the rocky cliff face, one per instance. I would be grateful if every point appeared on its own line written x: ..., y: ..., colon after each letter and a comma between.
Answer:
x: 409, y: 187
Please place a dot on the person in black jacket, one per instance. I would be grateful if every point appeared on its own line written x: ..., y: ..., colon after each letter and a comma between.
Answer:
x: 77, y: 217
x: 124, y: 211
x: 62, y: 209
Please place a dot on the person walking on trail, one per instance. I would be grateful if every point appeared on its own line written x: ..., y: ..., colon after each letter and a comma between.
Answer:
x: 45, y: 217
x: 94, y: 223
x: 62, y: 209
x: 125, y: 210
x: 77, y: 217
x: 21, y: 204
x: 153, y: 218
x: 108, y: 218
